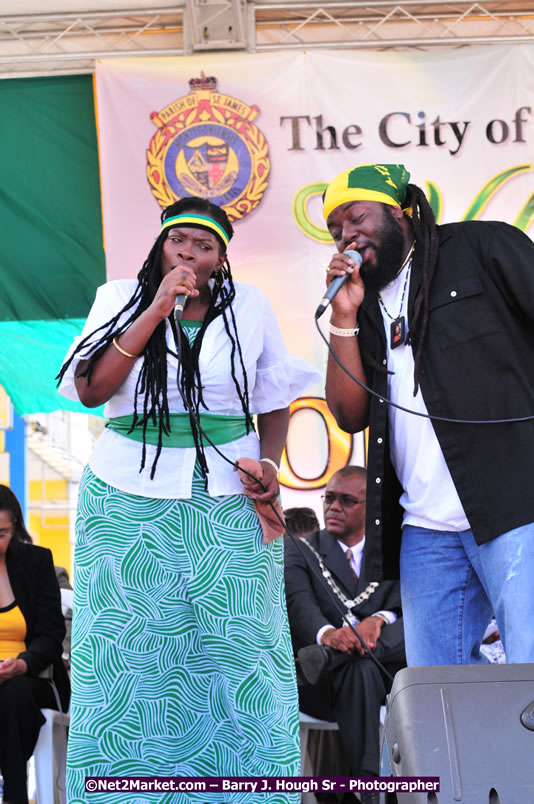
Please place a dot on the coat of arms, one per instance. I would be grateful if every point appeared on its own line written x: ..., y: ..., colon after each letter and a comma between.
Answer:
x: 207, y: 145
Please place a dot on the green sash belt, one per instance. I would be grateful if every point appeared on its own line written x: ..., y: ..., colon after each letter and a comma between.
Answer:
x: 220, y: 429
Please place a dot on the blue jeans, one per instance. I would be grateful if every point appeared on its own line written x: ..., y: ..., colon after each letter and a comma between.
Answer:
x: 451, y: 586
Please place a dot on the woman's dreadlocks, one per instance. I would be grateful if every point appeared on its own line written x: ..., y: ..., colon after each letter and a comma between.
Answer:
x: 152, y: 380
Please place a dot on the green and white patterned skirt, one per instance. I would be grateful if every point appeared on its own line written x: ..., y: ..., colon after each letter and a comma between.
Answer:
x: 181, y: 656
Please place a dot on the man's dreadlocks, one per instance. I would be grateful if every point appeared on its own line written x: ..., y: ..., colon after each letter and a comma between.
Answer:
x: 426, y: 255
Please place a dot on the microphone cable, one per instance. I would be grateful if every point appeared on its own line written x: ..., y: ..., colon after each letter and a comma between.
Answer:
x: 178, y: 333
x: 390, y: 402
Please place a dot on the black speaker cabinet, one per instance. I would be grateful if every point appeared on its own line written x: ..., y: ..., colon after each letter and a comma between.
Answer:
x: 471, y: 725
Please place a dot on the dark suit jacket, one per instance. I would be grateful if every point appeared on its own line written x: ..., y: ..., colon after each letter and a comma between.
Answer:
x: 33, y: 579
x: 309, y: 599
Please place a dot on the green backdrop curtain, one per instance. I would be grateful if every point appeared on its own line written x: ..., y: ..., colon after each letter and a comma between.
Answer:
x: 51, y: 252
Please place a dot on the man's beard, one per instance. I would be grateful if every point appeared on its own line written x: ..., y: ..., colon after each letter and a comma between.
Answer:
x: 389, y: 254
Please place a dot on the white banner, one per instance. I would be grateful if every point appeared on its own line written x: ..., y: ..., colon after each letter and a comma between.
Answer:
x: 261, y: 134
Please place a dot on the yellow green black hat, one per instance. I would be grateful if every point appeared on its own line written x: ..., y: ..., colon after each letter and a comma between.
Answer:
x: 383, y: 183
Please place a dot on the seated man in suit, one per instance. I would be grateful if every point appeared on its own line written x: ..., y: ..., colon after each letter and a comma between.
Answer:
x: 350, y: 688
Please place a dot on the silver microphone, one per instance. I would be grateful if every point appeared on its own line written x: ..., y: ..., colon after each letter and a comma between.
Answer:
x: 179, y: 304
x: 336, y: 284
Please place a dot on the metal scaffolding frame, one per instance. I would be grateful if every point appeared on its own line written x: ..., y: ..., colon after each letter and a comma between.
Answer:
x: 70, y: 42
x: 385, y: 25
x: 55, y: 43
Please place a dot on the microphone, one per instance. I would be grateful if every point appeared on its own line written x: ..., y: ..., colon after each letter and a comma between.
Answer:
x: 337, y: 283
x: 179, y: 304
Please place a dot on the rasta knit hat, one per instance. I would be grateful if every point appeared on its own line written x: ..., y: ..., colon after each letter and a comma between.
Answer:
x: 383, y: 183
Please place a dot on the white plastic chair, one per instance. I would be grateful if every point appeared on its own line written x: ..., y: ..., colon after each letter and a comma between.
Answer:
x: 66, y: 600
x: 50, y: 756
x: 308, y: 723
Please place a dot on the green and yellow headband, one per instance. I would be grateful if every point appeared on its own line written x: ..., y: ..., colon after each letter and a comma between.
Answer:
x: 383, y: 183
x: 197, y: 220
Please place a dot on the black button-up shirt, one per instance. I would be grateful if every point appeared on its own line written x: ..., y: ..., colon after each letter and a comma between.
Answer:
x: 477, y: 363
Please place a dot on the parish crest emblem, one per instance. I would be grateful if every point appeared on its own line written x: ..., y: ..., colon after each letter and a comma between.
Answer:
x: 206, y: 144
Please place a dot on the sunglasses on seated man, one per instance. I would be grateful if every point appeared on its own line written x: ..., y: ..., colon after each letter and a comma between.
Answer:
x: 345, y: 500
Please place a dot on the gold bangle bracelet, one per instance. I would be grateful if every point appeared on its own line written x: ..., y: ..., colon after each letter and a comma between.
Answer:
x: 123, y: 351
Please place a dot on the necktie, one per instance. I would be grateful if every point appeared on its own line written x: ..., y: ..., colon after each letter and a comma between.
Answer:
x: 348, y: 556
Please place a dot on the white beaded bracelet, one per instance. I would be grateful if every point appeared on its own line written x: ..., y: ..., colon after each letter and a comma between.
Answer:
x: 343, y: 333
x: 275, y: 467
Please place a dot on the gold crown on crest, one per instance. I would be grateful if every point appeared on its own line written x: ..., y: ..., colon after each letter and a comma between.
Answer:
x: 209, y: 82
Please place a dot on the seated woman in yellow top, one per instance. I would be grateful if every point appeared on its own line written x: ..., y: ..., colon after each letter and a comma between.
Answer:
x: 31, y: 633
